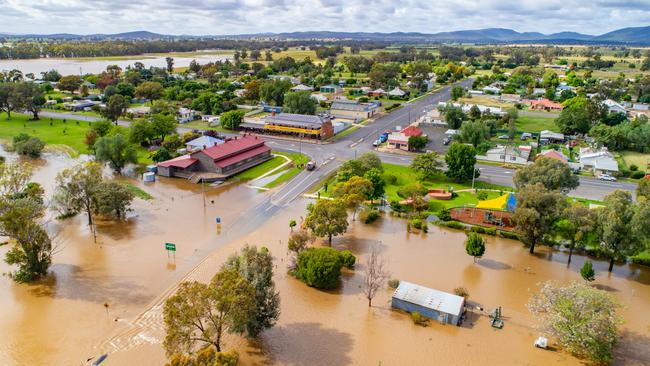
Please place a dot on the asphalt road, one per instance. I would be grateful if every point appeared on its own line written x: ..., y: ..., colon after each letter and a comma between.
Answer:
x: 330, y: 156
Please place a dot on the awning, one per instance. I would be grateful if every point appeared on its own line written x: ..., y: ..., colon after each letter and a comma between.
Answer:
x: 507, y: 202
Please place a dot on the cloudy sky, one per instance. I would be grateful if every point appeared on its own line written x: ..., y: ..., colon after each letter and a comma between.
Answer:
x: 212, y: 17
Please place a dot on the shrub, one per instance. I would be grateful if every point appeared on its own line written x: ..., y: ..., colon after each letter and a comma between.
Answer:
x: 634, y: 168
x: 393, y: 283
x: 390, y: 179
x: 444, y: 214
x: 418, y: 319
x: 416, y: 223
x: 396, y: 206
x: 425, y: 227
x: 462, y: 292
x: 455, y: 225
x: 31, y: 147
x: 368, y: 215
x: 348, y: 259
x: 509, y: 235
x: 637, y: 175
x: 481, y: 195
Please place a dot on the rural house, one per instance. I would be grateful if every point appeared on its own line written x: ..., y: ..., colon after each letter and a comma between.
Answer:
x: 434, y: 304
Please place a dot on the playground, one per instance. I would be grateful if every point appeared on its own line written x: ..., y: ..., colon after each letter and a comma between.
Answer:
x: 494, y: 213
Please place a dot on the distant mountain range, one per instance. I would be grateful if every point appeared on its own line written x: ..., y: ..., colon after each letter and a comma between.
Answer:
x: 634, y: 35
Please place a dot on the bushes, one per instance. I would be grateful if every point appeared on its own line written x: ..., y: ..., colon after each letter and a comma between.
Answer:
x: 390, y: 179
x: 416, y: 223
x: 418, y: 319
x: 444, y: 214
x: 393, y: 283
x: 484, y: 230
x: 368, y: 215
x: 24, y: 144
x: 481, y: 195
x: 637, y: 175
x: 321, y: 267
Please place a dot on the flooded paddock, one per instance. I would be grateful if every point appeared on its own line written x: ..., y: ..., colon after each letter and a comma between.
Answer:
x: 63, y: 320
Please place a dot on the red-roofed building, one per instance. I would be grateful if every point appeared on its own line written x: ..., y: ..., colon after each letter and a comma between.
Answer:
x: 545, y: 104
x: 412, y: 131
x: 219, y: 161
x: 554, y: 154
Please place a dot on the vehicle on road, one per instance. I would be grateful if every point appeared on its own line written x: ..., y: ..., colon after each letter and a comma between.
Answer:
x: 606, y: 177
x: 383, y: 137
x: 376, y: 143
x: 311, y: 165
x: 446, y: 141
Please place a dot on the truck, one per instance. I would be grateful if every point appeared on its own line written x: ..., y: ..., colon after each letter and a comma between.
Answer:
x: 383, y: 137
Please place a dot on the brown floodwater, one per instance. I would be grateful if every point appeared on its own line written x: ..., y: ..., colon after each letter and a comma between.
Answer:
x: 63, y: 320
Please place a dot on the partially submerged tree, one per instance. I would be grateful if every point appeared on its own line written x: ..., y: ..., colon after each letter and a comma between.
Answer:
x: 298, y: 241
x: 587, y: 271
x: 198, y: 315
x: 256, y: 266
x: 583, y: 319
x: 375, y: 274
x: 536, y: 212
x: 321, y: 267
x: 116, y: 151
x: 327, y: 218
x: 576, y: 224
x: 76, y: 189
x: 475, y: 245
x: 113, y: 199
x: 353, y: 193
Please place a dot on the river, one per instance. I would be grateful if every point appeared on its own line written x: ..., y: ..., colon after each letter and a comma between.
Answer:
x: 63, y: 320
x: 95, y: 66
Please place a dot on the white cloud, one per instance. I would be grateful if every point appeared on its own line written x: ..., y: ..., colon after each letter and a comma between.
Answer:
x: 213, y: 17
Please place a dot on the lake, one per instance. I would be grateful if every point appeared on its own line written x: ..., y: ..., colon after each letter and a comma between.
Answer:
x: 96, y: 66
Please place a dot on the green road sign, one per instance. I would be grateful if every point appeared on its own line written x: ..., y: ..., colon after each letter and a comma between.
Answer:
x: 170, y: 246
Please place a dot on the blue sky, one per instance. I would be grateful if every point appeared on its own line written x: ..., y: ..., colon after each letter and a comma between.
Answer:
x: 213, y: 17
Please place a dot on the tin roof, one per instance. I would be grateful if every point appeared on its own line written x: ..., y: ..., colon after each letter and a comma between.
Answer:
x: 429, y: 298
x: 297, y: 120
x: 232, y: 147
x: 182, y: 162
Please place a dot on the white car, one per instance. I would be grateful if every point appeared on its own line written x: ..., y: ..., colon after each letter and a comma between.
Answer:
x: 376, y: 143
x: 606, y: 177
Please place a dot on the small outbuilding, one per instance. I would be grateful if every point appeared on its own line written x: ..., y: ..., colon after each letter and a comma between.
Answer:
x: 434, y: 304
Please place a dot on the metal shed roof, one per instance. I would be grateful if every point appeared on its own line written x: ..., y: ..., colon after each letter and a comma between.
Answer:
x: 429, y: 298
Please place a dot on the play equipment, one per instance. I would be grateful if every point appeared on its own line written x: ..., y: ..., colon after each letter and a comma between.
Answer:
x: 497, y: 322
x: 439, y: 194
x: 506, y: 202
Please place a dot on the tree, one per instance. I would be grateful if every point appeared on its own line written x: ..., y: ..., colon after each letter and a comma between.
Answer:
x: 161, y: 154
x: 643, y: 189
x: 473, y: 132
x: 536, y: 212
x: 551, y: 173
x: 199, y: 314
x: 327, y: 218
x: 169, y: 61
x: 375, y: 274
x: 416, y: 143
x: 27, y: 145
x: 474, y: 113
x: 426, y: 165
x: 475, y: 245
x: 140, y: 132
x: 580, y: 114
x: 69, y: 83
x: 457, y: 92
x: 576, y: 224
x: 13, y: 178
x: 113, y: 199
x: 460, y: 160
x: 453, y: 116
x: 583, y: 319
x: 30, y: 98
x: 115, y: 108
x: 292, y: 224
x: 116, y: 151
x: 369, y: 160
x: 76, y: 188
x: 621, y: 225
x: 162, y: 125
x: 8, y: 100
x: 378, y: 183
x: 150, y: 90
x: 353, y: 193
x: 415, y: 193
x: 232, y: 119
x: 102, y: 128
x: 256, y: 266
x: 320, y: 267
x: 298, y: 241
x: 273, y: 91
x: 587, y: 271
x: 299, y: 102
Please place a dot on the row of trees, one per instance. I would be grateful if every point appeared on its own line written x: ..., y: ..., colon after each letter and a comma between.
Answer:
x: 19, y: 96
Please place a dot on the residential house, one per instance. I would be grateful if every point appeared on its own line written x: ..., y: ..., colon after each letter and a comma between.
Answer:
x: 614, y: 107
x: 400, y: 140
x: 319, y: 97
x: 600, y: 161
x: 538, y: 92
x: 544, y: 104
x: 210, y: 119
x: 185, y: 115
x: 353, y: 109
x: 554, y: 154
x: 491, y: 90
x: 434, y: 304
x: 202, y: 142
x: 378, y: 93
x: 514, y: 98
x: 397, y: 93
x: 507, y: 154
x: 301, y: 87
x: 293, y: 80
x: 330, y: 89
x: 139, y: 111
x: 219, y: 161
x: 551, y: 136
x: 79, y: 105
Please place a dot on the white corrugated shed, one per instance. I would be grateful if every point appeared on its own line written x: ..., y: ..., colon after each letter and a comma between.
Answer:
x: 429, y: 298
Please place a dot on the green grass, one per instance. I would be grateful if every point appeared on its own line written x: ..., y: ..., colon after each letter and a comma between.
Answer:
x: 258, y: 170
x: 137, y: 191
x: 297, y: 159
x: 202, y: 125
x: 536, y: 124
x: 67, y: 137
x: 641, y: 160
x: 344, y: 133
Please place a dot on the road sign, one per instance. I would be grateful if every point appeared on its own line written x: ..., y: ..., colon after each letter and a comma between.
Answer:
x: 170, y: 246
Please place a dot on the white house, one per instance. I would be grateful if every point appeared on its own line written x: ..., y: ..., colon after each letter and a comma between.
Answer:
x: 185, y: 115
x: 301, y: 87
x: 492, y: 90
x: 507, y: 154
x: 614, y: 107
x: 397, y: 92
x: 601, y: 161
x: 551, y: 136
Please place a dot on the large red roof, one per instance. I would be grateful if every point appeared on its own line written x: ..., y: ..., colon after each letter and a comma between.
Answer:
x: 242, y: 156
x: 232, y: 147
x: 182, y: 162
x: 412, y: 131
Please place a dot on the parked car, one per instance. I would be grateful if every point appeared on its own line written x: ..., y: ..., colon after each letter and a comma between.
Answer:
x: 606, y: 177
x: 504, y: 137
x: 376, y: 143
x: 446, y: 141
x: 526, y: 135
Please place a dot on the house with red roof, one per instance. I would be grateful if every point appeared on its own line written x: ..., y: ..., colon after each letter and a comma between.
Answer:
x: 219, y: 161
x: 412, y: 131
x: 554, y: 154
x: 544, y: 104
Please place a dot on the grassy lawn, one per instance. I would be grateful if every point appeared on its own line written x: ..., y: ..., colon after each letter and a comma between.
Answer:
x: 641, y: 160
x: 202, y: 125
x: 487, y: 101
x: 344, y: 133
x: 258, y: 170
x: 297, y: 158
x: 67, y: 137
x: 536, y: 124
